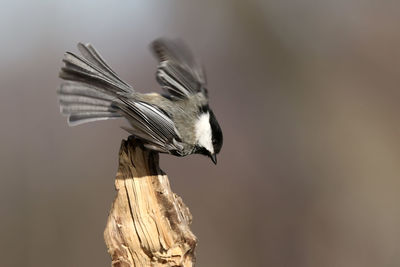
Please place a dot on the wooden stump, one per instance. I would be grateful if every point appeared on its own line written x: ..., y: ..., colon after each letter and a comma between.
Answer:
x: 148, y: 224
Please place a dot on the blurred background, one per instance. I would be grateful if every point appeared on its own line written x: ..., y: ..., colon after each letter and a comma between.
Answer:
x: 306, y: 93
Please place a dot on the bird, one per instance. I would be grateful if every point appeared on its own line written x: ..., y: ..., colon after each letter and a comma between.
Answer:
x: 177, y: 121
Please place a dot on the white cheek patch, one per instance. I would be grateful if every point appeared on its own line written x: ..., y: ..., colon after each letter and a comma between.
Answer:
x: 203, y: 132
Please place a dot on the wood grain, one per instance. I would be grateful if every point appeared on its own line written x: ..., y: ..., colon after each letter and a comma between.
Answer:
x: 148, y: 224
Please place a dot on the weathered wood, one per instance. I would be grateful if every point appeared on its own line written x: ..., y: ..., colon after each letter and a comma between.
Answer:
x: 148, y: 224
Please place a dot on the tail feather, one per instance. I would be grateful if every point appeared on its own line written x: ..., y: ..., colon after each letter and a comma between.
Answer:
x: 90, y: 53
x: 81, y: 108
x: 90, y: 89
x: 77, y: 99
x: 77, y: 88
x: 79, y: 69
x: 80, y: 118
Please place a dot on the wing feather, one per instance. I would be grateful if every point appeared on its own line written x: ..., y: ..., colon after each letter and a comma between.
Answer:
x: 178, y: 73
x: 151, y: 124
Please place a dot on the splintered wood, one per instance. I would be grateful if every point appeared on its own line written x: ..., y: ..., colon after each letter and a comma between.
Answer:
x: 148, y: 224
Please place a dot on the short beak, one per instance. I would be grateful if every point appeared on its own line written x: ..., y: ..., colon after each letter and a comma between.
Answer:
x: 214, y: 158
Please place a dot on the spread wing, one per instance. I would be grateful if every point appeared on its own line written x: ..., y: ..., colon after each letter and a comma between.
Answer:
x: 150, y: 124
x: 178, y: 73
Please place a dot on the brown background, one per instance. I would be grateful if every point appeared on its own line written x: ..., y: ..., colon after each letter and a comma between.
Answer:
x: 307, y: 94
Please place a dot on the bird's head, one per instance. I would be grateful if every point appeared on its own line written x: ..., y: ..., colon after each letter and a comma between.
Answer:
x: 208, y: 135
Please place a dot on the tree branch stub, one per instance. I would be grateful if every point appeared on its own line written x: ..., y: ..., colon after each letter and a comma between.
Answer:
x: 148, y: 224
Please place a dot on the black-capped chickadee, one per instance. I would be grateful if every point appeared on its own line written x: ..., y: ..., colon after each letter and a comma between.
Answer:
x: 179, y: 122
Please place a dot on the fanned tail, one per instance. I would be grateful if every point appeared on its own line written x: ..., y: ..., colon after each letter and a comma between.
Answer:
x: 90, y: 88
x: 84, y: 103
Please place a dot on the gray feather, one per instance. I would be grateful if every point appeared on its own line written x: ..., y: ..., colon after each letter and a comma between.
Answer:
x: 90, y: 53
x: 178, y: 73
x: 151, y: 124
x: 81, y: 108
x: 90, y: 88
x: 79, y: 69
x: 144, y: 136
x: 66, y: 99
x: 77, y: 88
x: 77, y: 119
